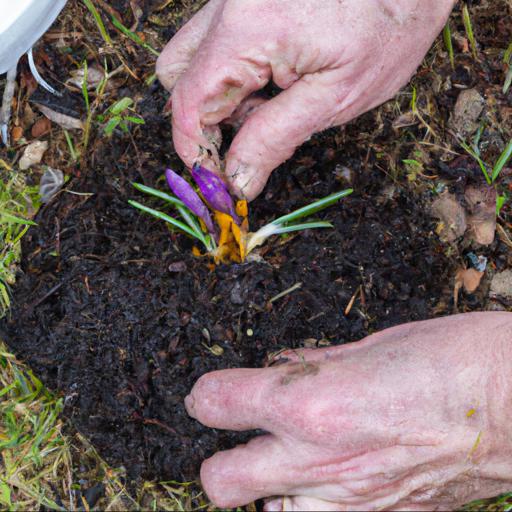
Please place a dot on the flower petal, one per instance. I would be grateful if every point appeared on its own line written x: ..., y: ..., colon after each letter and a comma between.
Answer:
x: 184, y: 191
x: 214, y: 191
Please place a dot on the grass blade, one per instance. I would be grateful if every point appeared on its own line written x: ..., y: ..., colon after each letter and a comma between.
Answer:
x: 502, y: 160
x: 508, y: 54
x: 9, y: 217
x: 167, y: 218
x: 99, y: 21
x: 447, y: 37
x: 469, y: 31
x: 479, y: 160
x: 133, y: 36
x: 158, y: 193
x: 308, y: 210
x: 305, y: 225
x: 508, y: 80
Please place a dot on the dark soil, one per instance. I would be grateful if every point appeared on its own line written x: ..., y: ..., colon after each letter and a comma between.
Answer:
x: 102, y: 319
x: 114, y: 312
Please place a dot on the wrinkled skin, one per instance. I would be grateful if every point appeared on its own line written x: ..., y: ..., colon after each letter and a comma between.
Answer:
x: 334, y: 60
x: 416, y: 417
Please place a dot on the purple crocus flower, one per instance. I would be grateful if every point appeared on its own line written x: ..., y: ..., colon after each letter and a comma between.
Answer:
x: 188, y: 195
x: 214, y: 191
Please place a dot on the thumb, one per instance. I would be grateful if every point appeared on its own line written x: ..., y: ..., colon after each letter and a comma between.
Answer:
x: 272, y: 133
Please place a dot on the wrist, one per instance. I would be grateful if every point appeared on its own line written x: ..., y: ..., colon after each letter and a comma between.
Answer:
x: 498, y: 462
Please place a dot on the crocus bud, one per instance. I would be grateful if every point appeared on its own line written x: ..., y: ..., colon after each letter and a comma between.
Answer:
x: 183, y: 190
x: 214, y: 191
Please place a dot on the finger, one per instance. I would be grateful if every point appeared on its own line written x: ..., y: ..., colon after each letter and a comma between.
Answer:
x: 179, y: 51
x: 292, y: 503
x: 235, y: 399
x: 271, y: 134
x: 263, y: 467
x: 244, y: 110
x: 207, y: 93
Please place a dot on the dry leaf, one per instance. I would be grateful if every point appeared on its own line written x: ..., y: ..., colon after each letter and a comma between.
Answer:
x: 41, y: 127
x: 16, y: 133
x: 469, y: 278
x: 51, y: 182
x: 94, y: 76
x: 33, y: 154
x: 66, y: 122
x: 404, y: 120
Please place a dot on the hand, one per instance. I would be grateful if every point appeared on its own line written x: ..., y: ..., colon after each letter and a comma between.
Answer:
x: 334, y: 60
x: 416, y: 417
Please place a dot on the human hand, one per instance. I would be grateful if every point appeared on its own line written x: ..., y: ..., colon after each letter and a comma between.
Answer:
x: 333, y: 59
x: 416, y: 417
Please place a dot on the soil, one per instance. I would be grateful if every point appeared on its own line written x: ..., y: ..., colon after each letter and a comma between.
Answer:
x: 102, y: 318
x: 114, y: 312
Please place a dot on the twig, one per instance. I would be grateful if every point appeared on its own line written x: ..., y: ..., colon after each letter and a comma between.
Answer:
x: 296, y: 286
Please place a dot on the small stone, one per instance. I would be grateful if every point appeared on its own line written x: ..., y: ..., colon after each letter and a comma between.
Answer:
x: 467, y: 110
x: 250, y: 332
x: 501, y: 284
x: 177, y: 267
x: 481, y: 204
x: 344, y: 174
x: 452, y: 216
x: 237, y: 296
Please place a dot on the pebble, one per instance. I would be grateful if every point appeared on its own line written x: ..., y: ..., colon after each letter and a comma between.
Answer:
x: 501, y: 284
x: 467, y: 110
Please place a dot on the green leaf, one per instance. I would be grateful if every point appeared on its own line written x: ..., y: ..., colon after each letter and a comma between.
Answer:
x: 500, y: 202
x: 187, y: 215
x: 300, y: 227
x: 502, y: 160
x: 163, y: 216
x: 312, y: 208
x: 120, y: 106
x: 111, y: 126
x: 135, y: 120
x: 158, y: 193
x: 5, y: 494
x: 192, y: 222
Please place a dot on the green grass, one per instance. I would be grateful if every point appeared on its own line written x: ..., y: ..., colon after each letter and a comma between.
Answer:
x: 468, y: 26
x: 41, y: 466
x: 17, y: 201
x: 447, y: 38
